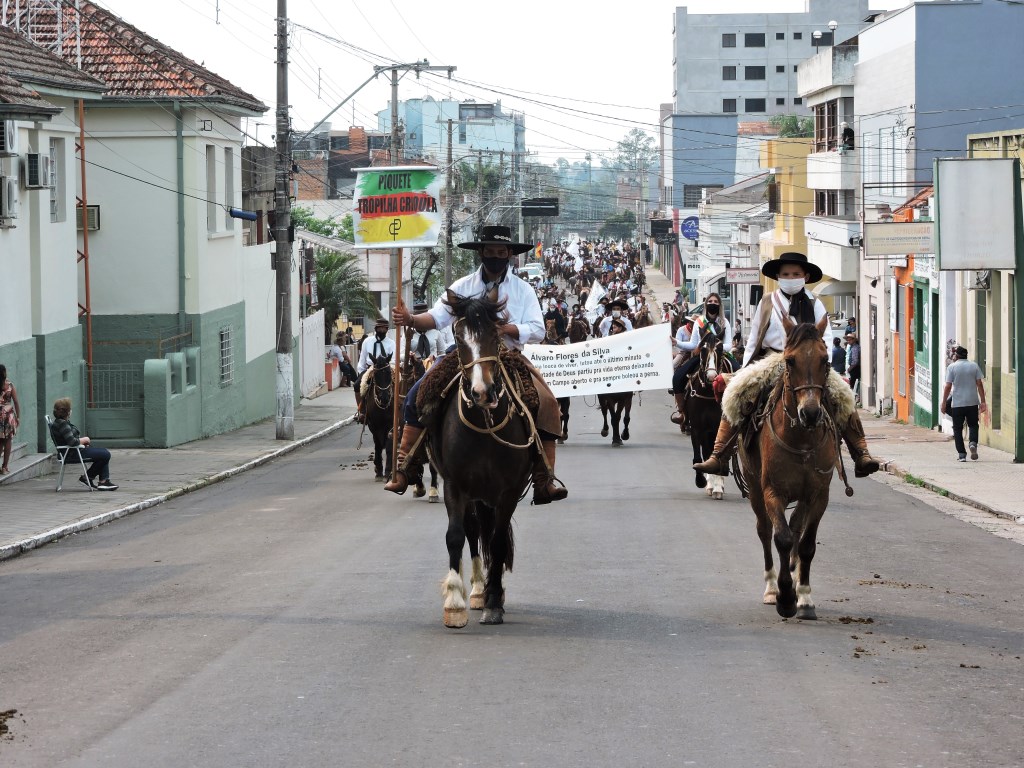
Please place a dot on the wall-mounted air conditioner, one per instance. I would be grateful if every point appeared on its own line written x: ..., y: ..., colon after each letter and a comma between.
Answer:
x: 36, y: 170
x: 8, y: 200
x: 8, y: 138
x: 92, y: 217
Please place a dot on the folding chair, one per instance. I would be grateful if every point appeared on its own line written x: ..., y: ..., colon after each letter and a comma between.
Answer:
x: 63, y: 453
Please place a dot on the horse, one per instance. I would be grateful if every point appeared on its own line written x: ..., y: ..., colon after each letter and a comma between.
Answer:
x: 551, y: 337
x: 481, y: 442
x: 412, y: 371
x: 379, y: 414
x: 704, y: 407
x: 579, y: 330
x: 616, y: 404
x: 790, y: 460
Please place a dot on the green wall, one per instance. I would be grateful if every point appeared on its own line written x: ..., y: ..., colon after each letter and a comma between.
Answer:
x: 60, y: 373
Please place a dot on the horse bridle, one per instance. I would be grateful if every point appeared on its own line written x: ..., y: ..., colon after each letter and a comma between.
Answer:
x: 377, y: 389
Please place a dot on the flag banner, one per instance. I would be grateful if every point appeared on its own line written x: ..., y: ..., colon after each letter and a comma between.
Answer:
x: 538, y: 251
x: 626, y: 362
x: 578, y: 263
x: 573, y: 249
x: 397, y: 207
x: 597, y: 292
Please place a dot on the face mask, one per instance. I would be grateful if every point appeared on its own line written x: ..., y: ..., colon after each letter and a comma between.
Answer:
x: 792, y: 285
x: 494, y: 265
x: 616, y: 314
x: 712, y: 309
x: 381, y: 334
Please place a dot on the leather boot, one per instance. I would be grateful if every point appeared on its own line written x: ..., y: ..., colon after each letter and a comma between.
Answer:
x: 680, y: 416
x: 718, y: 462
x: 399, y: 481
x: 544, y: 489
x: 863, y: 463
x: 360, y: 418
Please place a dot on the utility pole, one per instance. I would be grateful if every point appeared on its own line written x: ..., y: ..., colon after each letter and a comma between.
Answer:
x: 285, y: 414
x: 479, y: 189
x: 449, y: 214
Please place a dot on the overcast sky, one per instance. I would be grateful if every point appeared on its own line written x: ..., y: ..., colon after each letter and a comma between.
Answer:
x: 584, y: 77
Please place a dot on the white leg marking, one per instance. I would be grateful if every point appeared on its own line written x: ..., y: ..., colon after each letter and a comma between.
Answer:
x: 454, y: 591
x: 803, y: 596
x: 717, y: 487
x: 771, y: 587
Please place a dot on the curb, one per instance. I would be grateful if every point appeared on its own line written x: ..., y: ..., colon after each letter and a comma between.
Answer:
x: 894, y: 469
x: 13, y: 550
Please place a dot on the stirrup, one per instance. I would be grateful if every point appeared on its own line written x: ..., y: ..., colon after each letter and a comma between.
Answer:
x: 713, y: 465
x: 400, y: 483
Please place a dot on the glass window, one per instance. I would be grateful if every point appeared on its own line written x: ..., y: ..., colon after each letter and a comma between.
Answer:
x: 753, y: 40
x: 780, y: 35
x: 728, y: 73
x: 212, y: 208
x: 780, y: 68
x: 1012, y: 331
x: 728, y: 105
x: 798, y: 100
x: 753, y: 73
x: 779, y: 101
x: 798, y: 35
x: 755, y: 105
x: 728, y: 40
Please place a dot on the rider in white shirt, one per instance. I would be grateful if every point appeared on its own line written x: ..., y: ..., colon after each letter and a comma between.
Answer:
x: 378, y: 345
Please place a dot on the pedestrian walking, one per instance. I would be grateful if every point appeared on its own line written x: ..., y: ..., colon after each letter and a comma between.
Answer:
x: 10, y: 415
x: 963, y: 398
x: 838, y: 356
x: 853, y: 362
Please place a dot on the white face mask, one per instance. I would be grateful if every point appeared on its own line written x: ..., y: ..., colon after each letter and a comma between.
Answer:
x: 616, y: 314
x: 792, y: 285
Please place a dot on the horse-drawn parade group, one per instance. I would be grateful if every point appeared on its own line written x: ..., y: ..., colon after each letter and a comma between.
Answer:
x: 468, y: 405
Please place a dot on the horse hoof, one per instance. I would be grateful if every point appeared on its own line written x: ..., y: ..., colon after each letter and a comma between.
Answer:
x: 604, y: 432
x: 456, y: 618
x: 434, y: 498
x: 717, y: 495
x: 617, y: 443
x: 493, y: 616
x: 702, y: 482
x: 786, y: 610
x: 807, y: 613
x: 625, y: 435
x: 419, y: 492
x: 378, y: 478
x: 560, y: 441
x: 769, y: 599
x: 476, y: 602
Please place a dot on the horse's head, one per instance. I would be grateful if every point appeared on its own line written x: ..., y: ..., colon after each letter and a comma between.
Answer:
x: 710, y: 353
x: 550, y: 331
x: 807, y: 367
x: 381, y: 371
x: 477, y: 338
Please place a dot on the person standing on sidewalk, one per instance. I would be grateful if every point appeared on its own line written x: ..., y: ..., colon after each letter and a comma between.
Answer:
x: 966, y: 381
x: 838, y: 356
x: 853, y: 362
x: 10, y: 414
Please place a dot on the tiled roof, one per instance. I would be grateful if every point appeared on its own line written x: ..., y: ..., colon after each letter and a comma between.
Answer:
x: 24, y: 65
x: 20, y: 103
x: 136, y: 66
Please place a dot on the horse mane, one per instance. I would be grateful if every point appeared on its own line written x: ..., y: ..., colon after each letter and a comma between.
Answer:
x: 802, y: 333
x: 479, y: 314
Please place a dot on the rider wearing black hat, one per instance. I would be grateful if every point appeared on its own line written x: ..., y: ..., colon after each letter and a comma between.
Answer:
x: 616, y: 309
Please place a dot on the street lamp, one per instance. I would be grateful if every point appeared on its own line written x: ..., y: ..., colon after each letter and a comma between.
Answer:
x: 816, y: 37
x: 833, y: 25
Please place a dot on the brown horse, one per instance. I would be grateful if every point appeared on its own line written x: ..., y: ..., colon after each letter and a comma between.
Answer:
x: 643, y: 318
x: 579, y: 330
x: 482, y: 444
x: 616, y: 404
x: 791, y: 460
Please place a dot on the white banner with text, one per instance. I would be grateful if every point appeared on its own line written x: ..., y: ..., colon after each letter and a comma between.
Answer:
x: 626, y: 362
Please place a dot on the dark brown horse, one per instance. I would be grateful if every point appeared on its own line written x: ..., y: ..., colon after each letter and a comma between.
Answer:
x: 413, y: 370
x: 379, y: 416
x: 791, y: 460
x: 579, y: 330
x: 482, y: 444
x: 551, y: 337
x: 704, y: 407
x: 616, y: 404
x: 643, y: 317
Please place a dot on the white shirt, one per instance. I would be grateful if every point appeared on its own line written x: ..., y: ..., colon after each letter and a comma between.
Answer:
x: 606, y: 324
x: 775, y: 337
x: 434, y: 340
x: 520, y: 304
x: 682, y: 336
x: 698, y: 331
x: 373, y: 345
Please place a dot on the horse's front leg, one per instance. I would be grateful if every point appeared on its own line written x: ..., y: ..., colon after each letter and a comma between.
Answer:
x: 764, y: 533
x: 697, y: 442
x: 563, y: 406
x: 775, y: 509
x: 625, y: 417
x: 434, y: 496
x: 500, y: 556
x: 805, y: 521
x: 476, y: 578
x: 604, y: 417
x: 379, y: 447
x: 452, y: 588
x: 616, y: 410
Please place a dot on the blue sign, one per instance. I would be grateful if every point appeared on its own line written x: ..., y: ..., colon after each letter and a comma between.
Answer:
x: 691, y: 228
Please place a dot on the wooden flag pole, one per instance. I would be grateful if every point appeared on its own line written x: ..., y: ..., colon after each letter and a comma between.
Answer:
x: 397, y: 375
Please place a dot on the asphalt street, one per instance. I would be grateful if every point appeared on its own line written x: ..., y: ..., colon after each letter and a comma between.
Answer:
x: 292, y: 616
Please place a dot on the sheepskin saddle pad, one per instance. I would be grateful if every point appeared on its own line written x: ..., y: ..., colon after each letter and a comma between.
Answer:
x: 441, y: 373
x: 747, y: 386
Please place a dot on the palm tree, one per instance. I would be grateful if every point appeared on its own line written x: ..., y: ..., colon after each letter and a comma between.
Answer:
x: 342, y: 285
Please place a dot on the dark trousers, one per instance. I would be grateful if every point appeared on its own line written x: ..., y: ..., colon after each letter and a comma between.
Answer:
x: 682, y: 373
x: 100, y: 458
x: 855, y: 377
x: 968, y: 413
x: 347, y: 371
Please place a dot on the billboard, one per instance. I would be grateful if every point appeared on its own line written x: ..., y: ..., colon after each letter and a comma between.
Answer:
x: 974, y: 217
x: 540, y: 206
x: 397, y: 207
x: 898, y: 238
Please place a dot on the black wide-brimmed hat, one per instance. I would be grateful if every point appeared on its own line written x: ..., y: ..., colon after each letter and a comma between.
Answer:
x: 771, y: 268
x: 381, y: 322
x: 618, y: 304
x: 494, y: 234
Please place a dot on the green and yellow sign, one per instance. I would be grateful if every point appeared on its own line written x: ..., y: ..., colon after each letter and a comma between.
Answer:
x: 397, y: 207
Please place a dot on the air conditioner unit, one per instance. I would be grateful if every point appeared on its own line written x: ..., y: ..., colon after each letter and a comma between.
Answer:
x: 36, y: 169
x: 8, y: 138
x: 8, y: 198
x: 92, y: 217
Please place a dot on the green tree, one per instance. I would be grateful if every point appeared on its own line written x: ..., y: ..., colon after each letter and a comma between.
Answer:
x: 792, y: 126
x: 619, y: 226
x: 304, y: 219
x: 635, y: 152
x: 342, y: 287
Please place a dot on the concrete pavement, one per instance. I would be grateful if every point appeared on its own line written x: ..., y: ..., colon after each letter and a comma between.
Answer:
x: 32, y: 514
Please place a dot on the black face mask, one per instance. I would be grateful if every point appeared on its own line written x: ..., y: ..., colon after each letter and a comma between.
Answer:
x: 381, y: 334
x: 712, y: 309
x: 494, y: 265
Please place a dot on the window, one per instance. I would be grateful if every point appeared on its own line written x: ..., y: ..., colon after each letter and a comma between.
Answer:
x: 58, y: 192
x: 754, y: 105
x: 229, y: 187
x: 781, y: 69
x: 728, y: 73
x: 794, y: 67
x: 798, y: 35
x: 728, y: 40
x: 826, y: 126
x: 779, y: 101
x: 728, y: 105
x: 826, y: 202
x: 798, y: 100
x: 753, y: 40
x: 211, y: 188
x: 753, y: 73
x: 227, y: 357
x: 981, y: 329
x: 1012, y: 331
x: 693, y: 194
x: 780, y: 35
x: 476, y: 111
x: 462, y: 132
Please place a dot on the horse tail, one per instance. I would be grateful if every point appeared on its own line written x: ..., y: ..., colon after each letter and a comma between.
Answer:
x: 486, y: 517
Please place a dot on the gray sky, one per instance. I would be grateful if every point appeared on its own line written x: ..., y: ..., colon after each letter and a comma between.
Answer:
x: 584, y: 77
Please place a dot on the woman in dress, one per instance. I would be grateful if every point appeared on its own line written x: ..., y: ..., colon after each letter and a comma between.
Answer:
x: 10, y: 416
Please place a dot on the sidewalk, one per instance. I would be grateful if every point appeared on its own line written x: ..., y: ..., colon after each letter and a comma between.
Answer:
x: 32, y: 514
